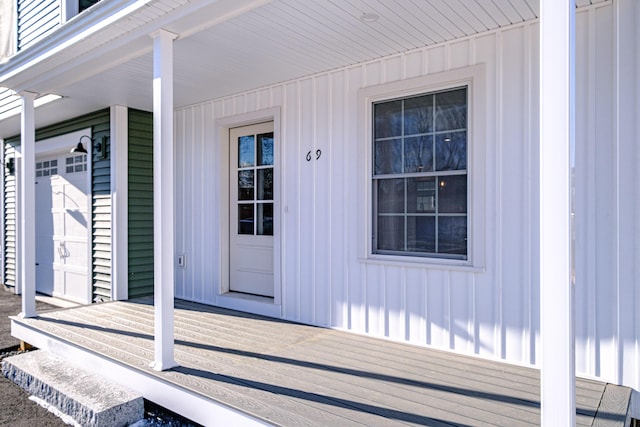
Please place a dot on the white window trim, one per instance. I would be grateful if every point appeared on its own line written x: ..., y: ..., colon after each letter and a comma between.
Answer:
x: 474, y: 78
x: 70, y: 8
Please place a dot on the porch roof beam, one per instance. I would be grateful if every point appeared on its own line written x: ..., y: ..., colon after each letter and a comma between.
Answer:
x: 557, y: 134
x: 26, y: 238
x: 163, y: 197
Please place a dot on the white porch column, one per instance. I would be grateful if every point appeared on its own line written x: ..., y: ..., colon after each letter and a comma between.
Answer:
x: 557, y: 133
x: 163, y: 189
x: 119, y: 140
x: 26, y: 241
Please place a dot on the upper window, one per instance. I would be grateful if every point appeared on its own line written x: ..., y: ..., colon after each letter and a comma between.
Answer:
x: 420, y: 175
x: 47, y: 168
x: 86, y: 4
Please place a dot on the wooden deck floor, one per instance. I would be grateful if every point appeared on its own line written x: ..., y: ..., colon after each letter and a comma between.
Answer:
x: 290, y: 374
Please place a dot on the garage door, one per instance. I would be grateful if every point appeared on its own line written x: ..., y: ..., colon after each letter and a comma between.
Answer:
x: 62, y: 221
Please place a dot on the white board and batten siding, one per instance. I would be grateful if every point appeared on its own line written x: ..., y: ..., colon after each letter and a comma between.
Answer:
x: 491, y: 311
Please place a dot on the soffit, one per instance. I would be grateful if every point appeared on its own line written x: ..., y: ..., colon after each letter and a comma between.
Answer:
x: 230, y: 46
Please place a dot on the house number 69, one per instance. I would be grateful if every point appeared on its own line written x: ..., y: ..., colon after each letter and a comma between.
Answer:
x: 318, y: 154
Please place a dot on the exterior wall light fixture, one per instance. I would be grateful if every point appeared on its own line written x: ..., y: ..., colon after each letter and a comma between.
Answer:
x: 11, y: 165
x: 100, y: 147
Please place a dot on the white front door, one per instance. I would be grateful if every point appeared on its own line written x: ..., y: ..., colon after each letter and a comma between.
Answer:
x: 62, y: 221
x: 251, y: 209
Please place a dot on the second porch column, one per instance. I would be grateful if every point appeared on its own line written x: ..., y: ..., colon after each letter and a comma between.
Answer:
x: 27, y: 219
x: 163, y: 189
x: 557, y: 134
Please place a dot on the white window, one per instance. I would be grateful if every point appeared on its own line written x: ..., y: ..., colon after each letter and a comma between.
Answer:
x: 76, y: 163
x: 47, y: 168
x: 420, y: 175
x: 73, y: 7
x: 426, y: 192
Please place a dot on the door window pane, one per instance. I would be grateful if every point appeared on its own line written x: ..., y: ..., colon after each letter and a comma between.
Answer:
x: 245, y: 185
x: 265, y: 219
x: 245, y: 218
x: 265, y: 149
x: 246, y: 151
x: 265, y: 184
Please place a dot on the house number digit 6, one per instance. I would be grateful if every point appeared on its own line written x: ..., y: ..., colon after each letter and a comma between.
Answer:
x: 318, y: 154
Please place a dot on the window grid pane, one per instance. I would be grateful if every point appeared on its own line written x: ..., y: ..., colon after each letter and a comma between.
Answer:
x: 420, y: 175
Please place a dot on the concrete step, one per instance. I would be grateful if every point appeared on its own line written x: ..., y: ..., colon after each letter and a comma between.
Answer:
x: 88, y: 398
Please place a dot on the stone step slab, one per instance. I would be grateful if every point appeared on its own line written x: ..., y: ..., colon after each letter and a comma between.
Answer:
x: 88, y: 398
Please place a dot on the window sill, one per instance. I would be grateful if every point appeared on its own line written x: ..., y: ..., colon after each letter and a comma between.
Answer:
x: 423, y: 263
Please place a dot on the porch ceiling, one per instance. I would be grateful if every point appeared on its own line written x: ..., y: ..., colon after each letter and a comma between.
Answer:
x: 230, y: 46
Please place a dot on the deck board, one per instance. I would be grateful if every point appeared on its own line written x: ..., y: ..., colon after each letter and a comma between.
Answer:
x: 291, y: 374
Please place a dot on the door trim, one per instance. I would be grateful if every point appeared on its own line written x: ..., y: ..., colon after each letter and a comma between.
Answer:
x: 261, y: 305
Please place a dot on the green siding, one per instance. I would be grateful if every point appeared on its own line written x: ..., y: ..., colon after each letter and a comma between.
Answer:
x: 140, y: 183
x: 99, y: 122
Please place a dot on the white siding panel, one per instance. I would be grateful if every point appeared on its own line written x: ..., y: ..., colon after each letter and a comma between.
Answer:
x: 629, y: 193
x: 356, y: 290
x: 322, y: 190
x: 511, y: 165
x: 605, y: 207
x: 291, y: 223
x: 415, y: 284
x: 488, y: 297
x: 493, y: 311
x: 306, y: 239
x: 436, y: 59
x: 584, y: 219
x: 395, y: 298
x: 438, y: 308
x: 336, y: 156
x: 36, y: 19
x: 414, y: 64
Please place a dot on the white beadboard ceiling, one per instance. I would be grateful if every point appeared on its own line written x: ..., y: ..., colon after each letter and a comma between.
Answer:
x: 230, y: 46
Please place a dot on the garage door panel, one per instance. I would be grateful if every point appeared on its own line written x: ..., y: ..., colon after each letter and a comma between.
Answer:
x: 76, y: 254
x: 75, y: 224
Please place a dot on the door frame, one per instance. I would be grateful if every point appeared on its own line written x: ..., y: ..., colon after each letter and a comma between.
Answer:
x: 256, y: 304
x: 61, y: 144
